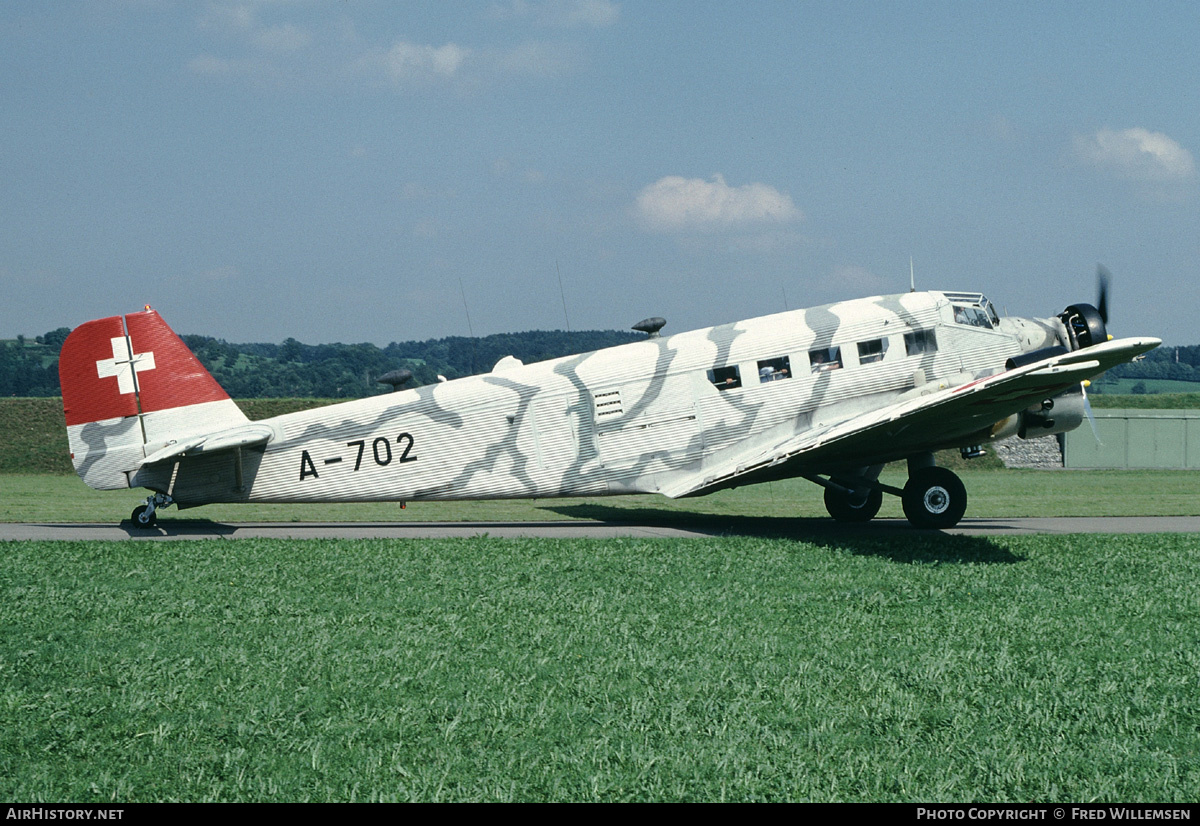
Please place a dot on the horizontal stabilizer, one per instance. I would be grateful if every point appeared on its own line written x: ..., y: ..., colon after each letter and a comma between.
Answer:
x: 248, y: 436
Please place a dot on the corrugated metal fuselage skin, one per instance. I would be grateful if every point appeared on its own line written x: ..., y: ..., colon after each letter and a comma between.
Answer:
x: 629, y: 419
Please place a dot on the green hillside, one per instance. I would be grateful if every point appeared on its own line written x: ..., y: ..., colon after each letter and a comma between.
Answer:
x: 33, y: 433
x: 29, y: 367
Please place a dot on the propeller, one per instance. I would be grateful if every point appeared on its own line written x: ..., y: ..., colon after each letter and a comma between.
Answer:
x: 1087, y: 408
x: 1103, y: 277
x: 1103, y: 280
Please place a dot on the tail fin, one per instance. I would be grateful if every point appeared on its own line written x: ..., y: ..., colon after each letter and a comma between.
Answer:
x: 130, y: 387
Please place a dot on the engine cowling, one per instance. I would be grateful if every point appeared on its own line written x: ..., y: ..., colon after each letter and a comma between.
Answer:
x: 1057, y: 414
x: 1084, y: 324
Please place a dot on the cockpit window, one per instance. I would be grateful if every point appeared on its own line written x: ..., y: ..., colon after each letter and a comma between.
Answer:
x: 972, y: 317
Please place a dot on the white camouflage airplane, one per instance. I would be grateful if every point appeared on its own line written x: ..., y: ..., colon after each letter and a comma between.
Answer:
x: 830, y: 394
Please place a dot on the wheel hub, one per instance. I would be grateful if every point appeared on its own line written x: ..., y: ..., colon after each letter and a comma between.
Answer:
x: 937, y: 499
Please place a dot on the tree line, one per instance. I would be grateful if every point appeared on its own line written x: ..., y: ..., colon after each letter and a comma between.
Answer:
x: 291, y: 369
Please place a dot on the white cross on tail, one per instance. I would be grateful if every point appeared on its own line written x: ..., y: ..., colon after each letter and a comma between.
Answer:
x: 123, y: 364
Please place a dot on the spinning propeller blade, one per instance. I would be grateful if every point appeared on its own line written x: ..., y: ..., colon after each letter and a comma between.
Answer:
x: 1103, y: 277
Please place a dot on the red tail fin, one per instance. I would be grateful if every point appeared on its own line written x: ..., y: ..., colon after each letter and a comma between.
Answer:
x: 130, y: 388
x: 96, y: 374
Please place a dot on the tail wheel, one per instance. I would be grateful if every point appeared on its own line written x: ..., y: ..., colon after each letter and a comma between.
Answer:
x: 840, y: 505
x: 143, y: 517
x: 934, y: 498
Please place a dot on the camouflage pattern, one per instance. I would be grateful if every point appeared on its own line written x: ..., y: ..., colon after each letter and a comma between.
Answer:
x: 680, y: 415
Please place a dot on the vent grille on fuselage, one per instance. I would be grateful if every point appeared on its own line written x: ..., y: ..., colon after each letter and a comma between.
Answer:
x: 608, y: 405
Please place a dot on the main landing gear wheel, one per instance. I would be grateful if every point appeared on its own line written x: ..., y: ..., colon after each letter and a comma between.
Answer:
x: 143, y: 517
x: 934, y: 498
x: 840, y: 505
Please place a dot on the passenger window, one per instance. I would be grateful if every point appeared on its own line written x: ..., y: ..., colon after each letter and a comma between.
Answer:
x: 871, y: 351
x: 774, y: 370
x: 829, y: 358
x: 725, y: 378
x: 920, y: 341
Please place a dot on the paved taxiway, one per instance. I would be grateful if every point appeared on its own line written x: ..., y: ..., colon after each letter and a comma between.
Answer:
x: 789, y: 528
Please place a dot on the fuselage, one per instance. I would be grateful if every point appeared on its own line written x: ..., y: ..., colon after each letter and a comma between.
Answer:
x: 628, y: 419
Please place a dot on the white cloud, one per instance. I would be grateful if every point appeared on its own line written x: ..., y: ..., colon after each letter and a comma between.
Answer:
x: 408, y: 65
x: 675, y: 203
x: 563, y: 14
x: 414, y: 61
x: 1136, y: 154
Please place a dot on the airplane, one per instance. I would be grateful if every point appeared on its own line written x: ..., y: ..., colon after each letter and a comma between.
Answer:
x: 830, y: 394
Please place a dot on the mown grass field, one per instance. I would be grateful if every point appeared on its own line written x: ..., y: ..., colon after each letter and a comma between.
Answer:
x: 991, y: 493
x: 928, y: 668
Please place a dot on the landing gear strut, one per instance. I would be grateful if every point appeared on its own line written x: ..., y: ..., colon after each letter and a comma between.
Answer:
x: 933, y: 498
x: 144, y: 516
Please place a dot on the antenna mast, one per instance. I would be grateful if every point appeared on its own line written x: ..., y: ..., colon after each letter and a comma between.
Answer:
x: 562, y: 295
x: 470, y: 329
x: 912, y: 277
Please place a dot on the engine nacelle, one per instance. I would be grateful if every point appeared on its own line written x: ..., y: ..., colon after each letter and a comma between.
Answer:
x: 1084, y: 325
x: 1057, y: 414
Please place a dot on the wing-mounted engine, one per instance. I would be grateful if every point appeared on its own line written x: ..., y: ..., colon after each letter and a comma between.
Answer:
x: 1057, y: 414
x: 1052, y: 415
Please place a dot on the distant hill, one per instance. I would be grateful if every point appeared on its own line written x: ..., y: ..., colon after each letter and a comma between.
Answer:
x: 29, y: 367
x: 1164, y: 370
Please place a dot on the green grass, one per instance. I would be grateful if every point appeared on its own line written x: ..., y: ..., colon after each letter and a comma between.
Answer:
x: 33, y: 437
x: 1153, y: 386
x: 915, y: 669
x: 1158, y: 401
x: 990, y: 494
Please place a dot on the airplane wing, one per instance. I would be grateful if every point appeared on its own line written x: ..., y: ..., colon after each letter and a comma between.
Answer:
x: 244, y: 436
x: 921, y: 420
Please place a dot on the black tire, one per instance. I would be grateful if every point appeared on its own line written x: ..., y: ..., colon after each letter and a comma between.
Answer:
x: 143, y: 517
x: 838, y: 504
x: 934, y: 498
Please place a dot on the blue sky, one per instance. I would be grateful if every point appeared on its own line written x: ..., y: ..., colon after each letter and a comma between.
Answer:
x: 347, y: 171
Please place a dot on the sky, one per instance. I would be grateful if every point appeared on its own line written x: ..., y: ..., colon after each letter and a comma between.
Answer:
x: 381, y: 170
